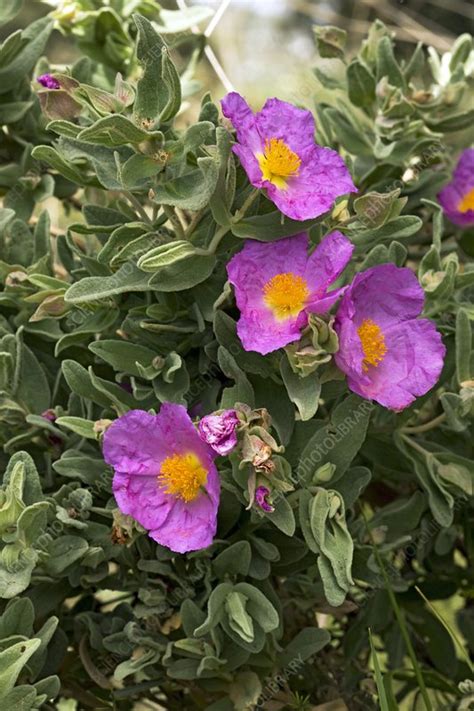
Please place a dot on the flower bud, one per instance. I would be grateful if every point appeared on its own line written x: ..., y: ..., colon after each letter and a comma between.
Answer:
x: 219, y: 431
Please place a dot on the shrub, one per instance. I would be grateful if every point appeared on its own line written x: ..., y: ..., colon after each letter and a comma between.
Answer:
x: 343, y: 531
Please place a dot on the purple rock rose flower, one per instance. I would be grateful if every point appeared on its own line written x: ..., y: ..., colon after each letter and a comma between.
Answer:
x: 388, y: 354
x: 220, y: 431
x: 277, y: 150
x: 164, y: 476
x: 261, y: 497
x: 48, y: 81
x: 457, y: 198
x: 277, y: 284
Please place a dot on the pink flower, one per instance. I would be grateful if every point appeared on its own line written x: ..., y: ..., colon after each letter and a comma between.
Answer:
x: 388, y: 354
x: 277, y: 284
x: 165, y: 477
x: 277, y: 150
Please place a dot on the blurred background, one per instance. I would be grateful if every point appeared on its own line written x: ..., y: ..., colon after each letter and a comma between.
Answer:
x: 266, y: 47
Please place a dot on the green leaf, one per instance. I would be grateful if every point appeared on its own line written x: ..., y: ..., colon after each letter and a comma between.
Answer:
x: 328, y: 526
x: 387, y: 65
x: 191, y: 191
x: 12, y: 661
x: 308, y: 642
x: 242, y: 391
x: 384, y: 705
x: 361, y: 84
x: 78, y: 425
x: 304, y: 392
x: 36, y: 36
x: 128, y: 278
x: 259, y: 607
x: 113, y: 131
x: 166, y: 254
x: 234, y: 560
x: 9, y: 10
x: 171, y: 80
x: 124, y: 356
x: 269, y: 227
x: 339, y: 441
x: 184, y: 273
x: 463, y: 346
x: 151, y: 94
x: 63, y: 552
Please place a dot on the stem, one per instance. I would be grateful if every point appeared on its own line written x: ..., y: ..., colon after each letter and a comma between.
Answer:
x: 401, y: 621
x: 415, y: 445
x: 248, y: 202
x: 193, y: 223
x: 222, y: 231
x: 138, y: 207
x: 173, y: 218
x: 426, y: 426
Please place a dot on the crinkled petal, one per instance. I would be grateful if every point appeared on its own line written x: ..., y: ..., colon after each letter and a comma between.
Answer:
x: 386, y: 294
x: 323, y: 177
x: 191, y: 526
x: 248, y: 271
x: 452, y: 194
x: 134, y: 444
x: 410, y: 368
x: 142, y: 498
x: 328, y: 261
x: 281, y: 120
x: 260, y: 332
x: 350, y: 355
x: 236, y: 109
x: 322, y: 305
x: 137, y: 442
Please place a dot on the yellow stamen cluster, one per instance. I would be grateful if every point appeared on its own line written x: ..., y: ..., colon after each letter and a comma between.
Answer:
x: 467, y: 202
x: 373, y: 343
x: 278, y: 162
x: 285, y: 294
x: 183, y: 476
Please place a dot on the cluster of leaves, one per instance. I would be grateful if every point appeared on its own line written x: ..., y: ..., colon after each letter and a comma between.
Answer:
x: 128, y: 306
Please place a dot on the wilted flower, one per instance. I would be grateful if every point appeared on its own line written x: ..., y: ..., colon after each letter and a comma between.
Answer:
x: 262, y: 494
x: 277, y: 149
x: 219, y: 431
x: 457, y: 198
x: 165, y: 477
x: 388, y: 354
x: 48, y: 81
x: 277, y: 284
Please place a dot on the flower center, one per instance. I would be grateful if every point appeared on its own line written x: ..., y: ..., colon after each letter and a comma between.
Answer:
x: 278, y: 162
x: 373, y: 343
x: 467, y: 202
x: 285, y: 294
x: 183, y: 476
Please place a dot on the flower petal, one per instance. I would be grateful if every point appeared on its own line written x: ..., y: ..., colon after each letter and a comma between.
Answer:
x: 236, y: 109
x: 462, y: 183
x: 279, y: 119
x: 411, y: 367
x: 142, y: 498
x: 248, y: 271
x: 328, y: 261
x: 323, y: 177
x: 133, y: 443
x: 191, y: 526
x: 387, y: 294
